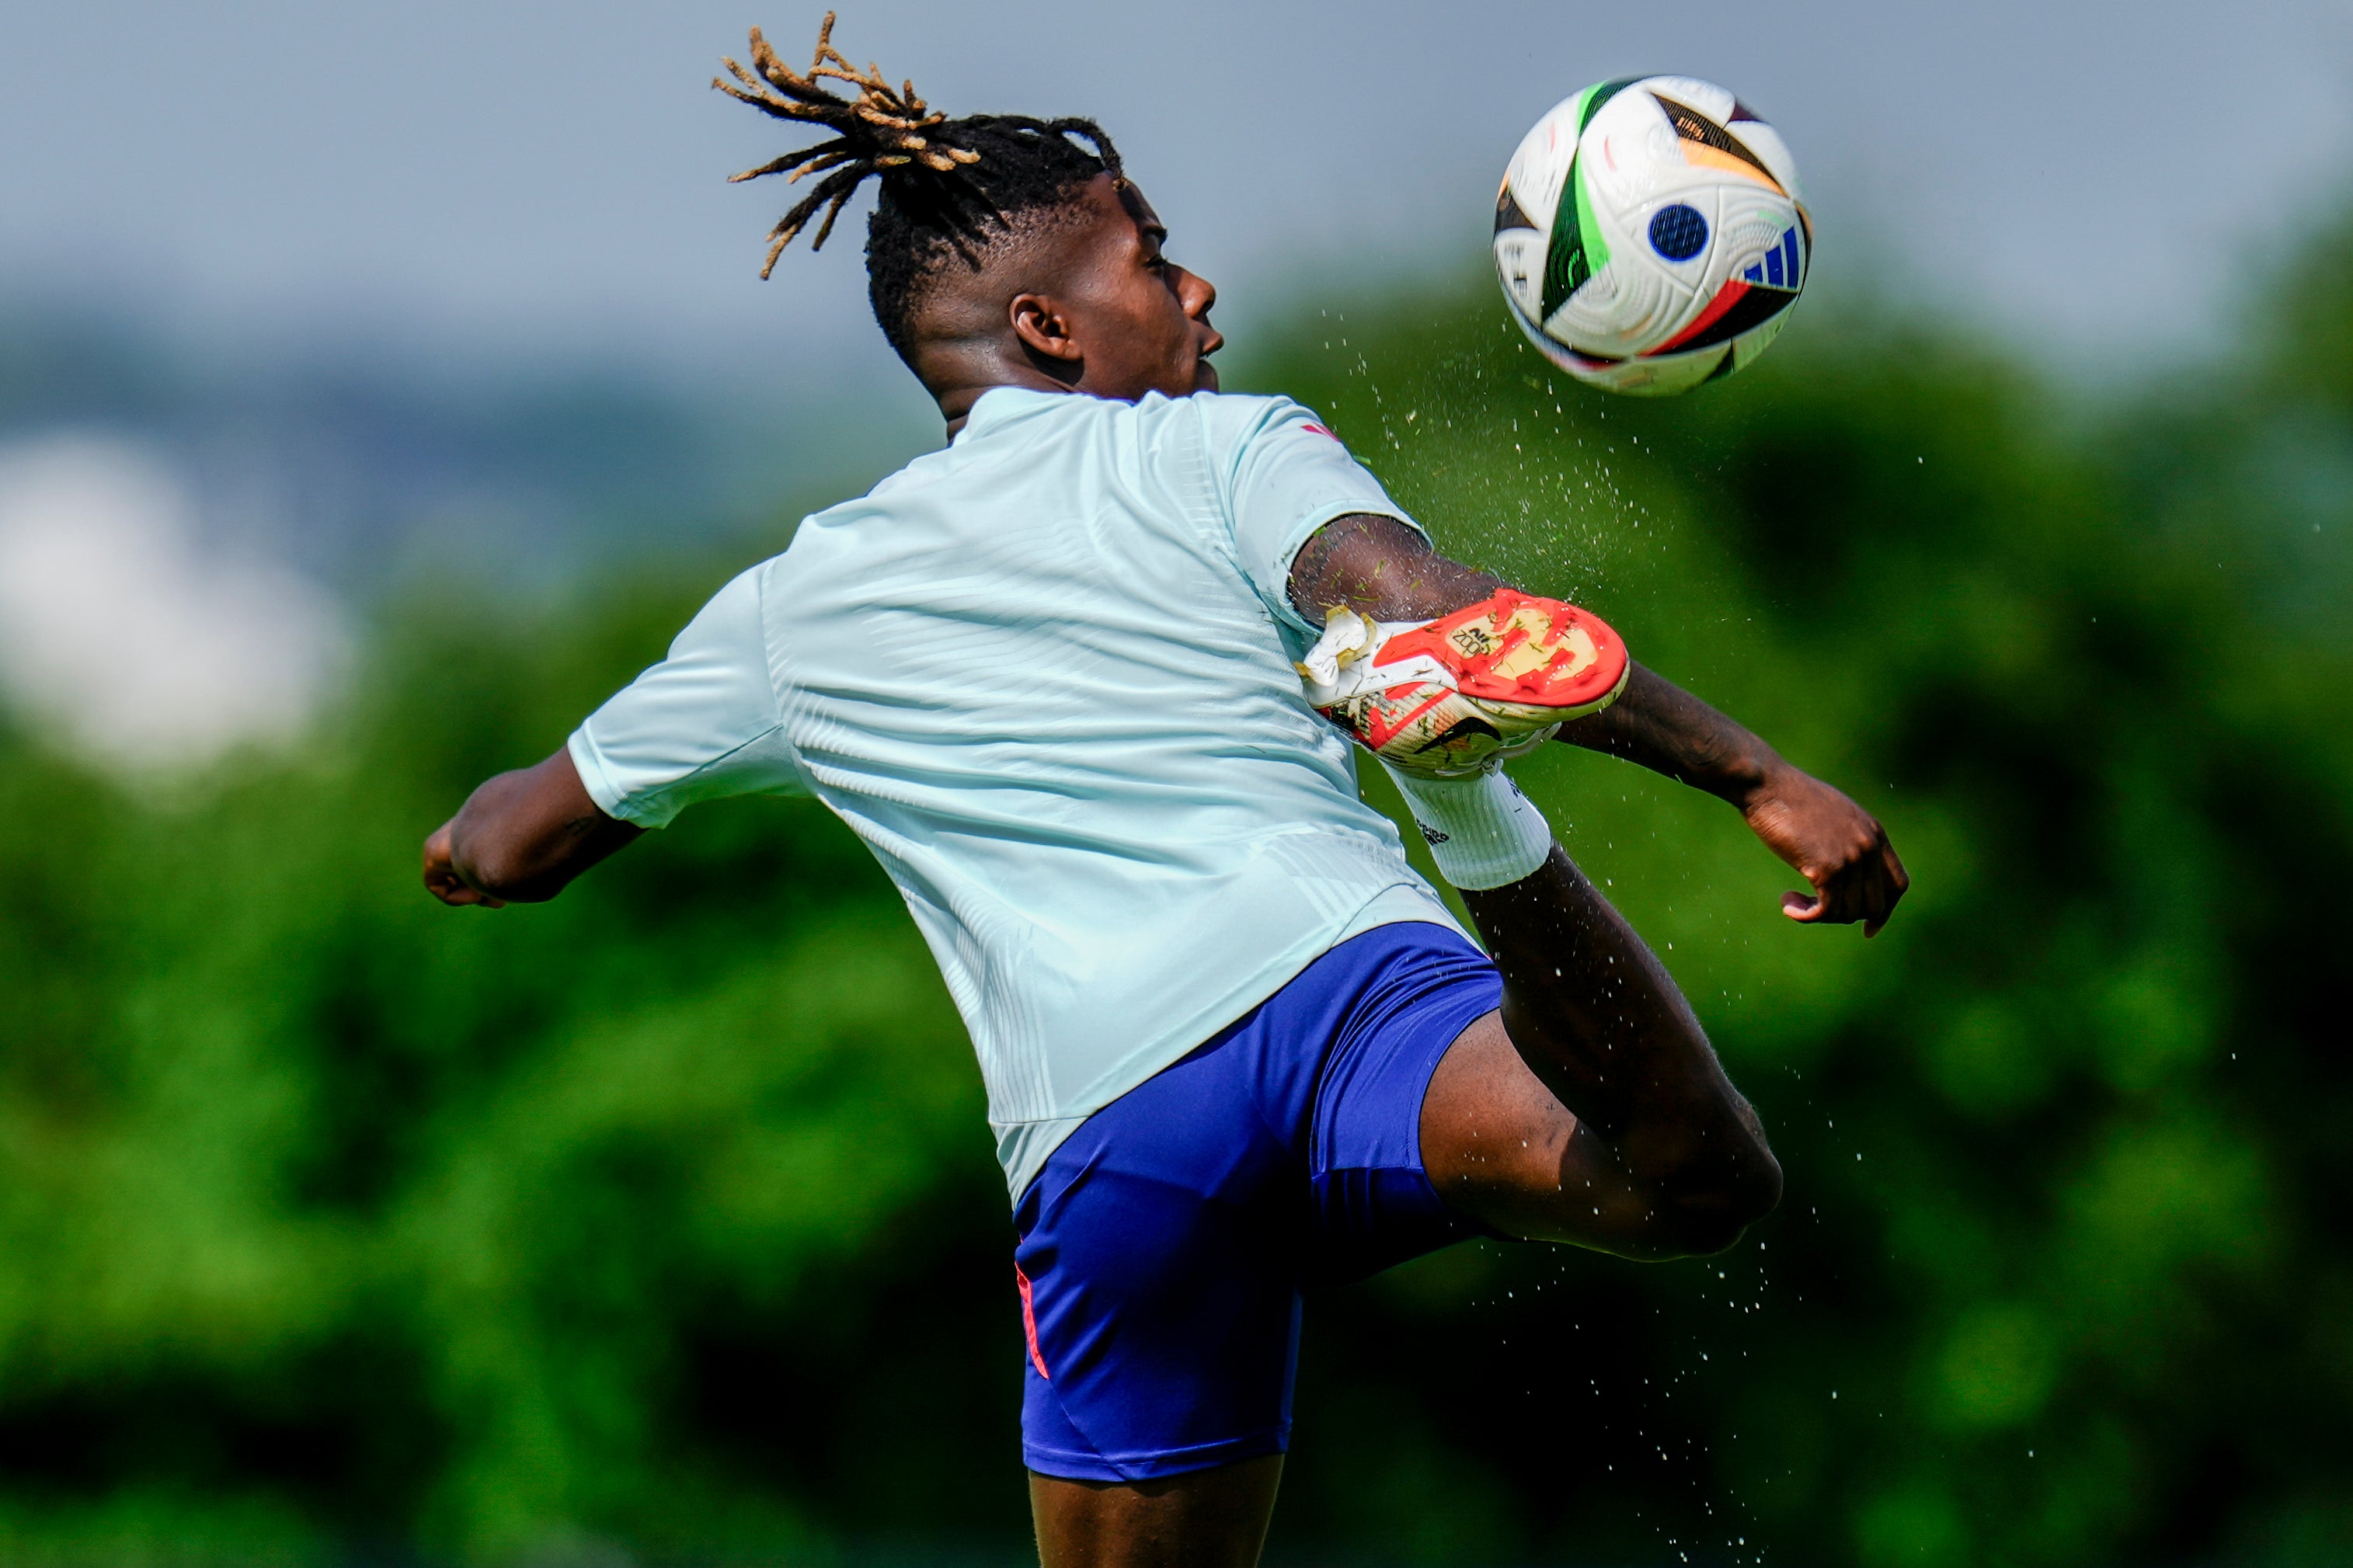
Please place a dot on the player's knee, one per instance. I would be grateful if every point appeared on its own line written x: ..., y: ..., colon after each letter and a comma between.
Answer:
x: 1710, y: 1208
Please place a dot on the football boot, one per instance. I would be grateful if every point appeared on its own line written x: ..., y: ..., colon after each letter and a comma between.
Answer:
x: 1452, y: 697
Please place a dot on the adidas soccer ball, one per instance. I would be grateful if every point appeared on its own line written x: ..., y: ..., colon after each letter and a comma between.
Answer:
x: 1651, y: 235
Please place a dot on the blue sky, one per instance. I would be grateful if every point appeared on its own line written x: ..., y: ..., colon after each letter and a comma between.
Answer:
x: 2091, y: 175
x: 427, y: 277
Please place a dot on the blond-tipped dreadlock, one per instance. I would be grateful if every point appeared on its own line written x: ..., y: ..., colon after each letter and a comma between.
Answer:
x: 879, y: 129
x: 948, y: 186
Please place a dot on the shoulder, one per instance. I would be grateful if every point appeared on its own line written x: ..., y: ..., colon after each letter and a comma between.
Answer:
x: 1241, y: 418
x: 857, y: 522
x: 733, y: 619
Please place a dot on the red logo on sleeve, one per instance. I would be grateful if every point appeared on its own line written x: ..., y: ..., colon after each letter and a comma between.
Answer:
x: 1320, y: 431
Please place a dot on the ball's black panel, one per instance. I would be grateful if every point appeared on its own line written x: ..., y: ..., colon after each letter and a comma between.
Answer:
x: 1753, y: 308
x: 1692, y: 126
x: 1678, y: 231
x: 1509, y: 213
x: 1565, y: 268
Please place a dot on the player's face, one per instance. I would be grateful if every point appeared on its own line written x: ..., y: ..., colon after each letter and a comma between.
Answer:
x: 1143, y: 321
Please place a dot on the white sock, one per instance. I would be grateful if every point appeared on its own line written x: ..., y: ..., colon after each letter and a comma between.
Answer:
x: 1482, y: 832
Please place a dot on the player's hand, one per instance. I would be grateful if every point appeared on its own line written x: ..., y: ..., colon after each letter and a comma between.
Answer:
x: 441, y: 879
x: 1835, y: 844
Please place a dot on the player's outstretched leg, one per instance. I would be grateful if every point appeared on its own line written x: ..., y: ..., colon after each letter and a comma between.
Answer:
x: 1590, y: 1107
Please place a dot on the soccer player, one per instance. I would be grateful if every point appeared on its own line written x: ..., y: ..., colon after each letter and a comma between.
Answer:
x: 1234, y: 1047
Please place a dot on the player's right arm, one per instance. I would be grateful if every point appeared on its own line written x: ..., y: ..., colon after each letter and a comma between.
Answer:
x: 700, y: 725
x: 1387, y: 571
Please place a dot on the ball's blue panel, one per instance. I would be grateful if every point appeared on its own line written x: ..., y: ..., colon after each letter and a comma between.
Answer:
x: 1780, y: 268
x: 1678, y: 231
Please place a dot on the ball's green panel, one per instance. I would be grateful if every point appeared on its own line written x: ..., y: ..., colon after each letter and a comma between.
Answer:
x: 1597, y: 243
x: 1576, y: 249
x: 1591, y: 99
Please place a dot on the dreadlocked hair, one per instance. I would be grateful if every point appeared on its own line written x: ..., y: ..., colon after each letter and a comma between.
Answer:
x: 948, y: 187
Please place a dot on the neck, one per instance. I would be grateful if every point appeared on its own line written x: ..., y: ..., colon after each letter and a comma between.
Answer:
x: 957, y: 376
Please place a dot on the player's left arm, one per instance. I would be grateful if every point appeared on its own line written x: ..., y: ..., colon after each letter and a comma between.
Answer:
x: 1381, y: 568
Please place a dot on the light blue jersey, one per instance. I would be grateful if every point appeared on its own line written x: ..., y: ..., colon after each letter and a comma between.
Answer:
x: 1045, y: 674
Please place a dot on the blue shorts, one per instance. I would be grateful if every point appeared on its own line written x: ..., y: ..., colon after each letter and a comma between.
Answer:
x: 1164, y: 1246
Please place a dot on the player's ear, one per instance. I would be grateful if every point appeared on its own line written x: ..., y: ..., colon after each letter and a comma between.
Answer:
x: 1049, y: 335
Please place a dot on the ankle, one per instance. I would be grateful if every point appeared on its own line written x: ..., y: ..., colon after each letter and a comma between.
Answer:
x: 1481, y: 831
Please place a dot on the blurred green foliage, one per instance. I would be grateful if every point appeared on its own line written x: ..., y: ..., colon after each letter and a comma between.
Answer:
x: 661, y: 1220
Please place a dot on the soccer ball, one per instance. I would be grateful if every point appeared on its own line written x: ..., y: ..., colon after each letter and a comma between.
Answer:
x: 1651, y: 235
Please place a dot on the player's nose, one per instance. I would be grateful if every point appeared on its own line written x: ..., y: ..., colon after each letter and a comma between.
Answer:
x: 1198, y: 293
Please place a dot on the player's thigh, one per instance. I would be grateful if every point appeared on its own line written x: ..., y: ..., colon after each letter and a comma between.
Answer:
x: 1496, y: 1144
x: 1204, y: 1518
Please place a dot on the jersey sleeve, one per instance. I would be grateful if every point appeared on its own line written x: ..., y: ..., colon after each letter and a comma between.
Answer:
x: 703, y: 724
x: 1286, y: 477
